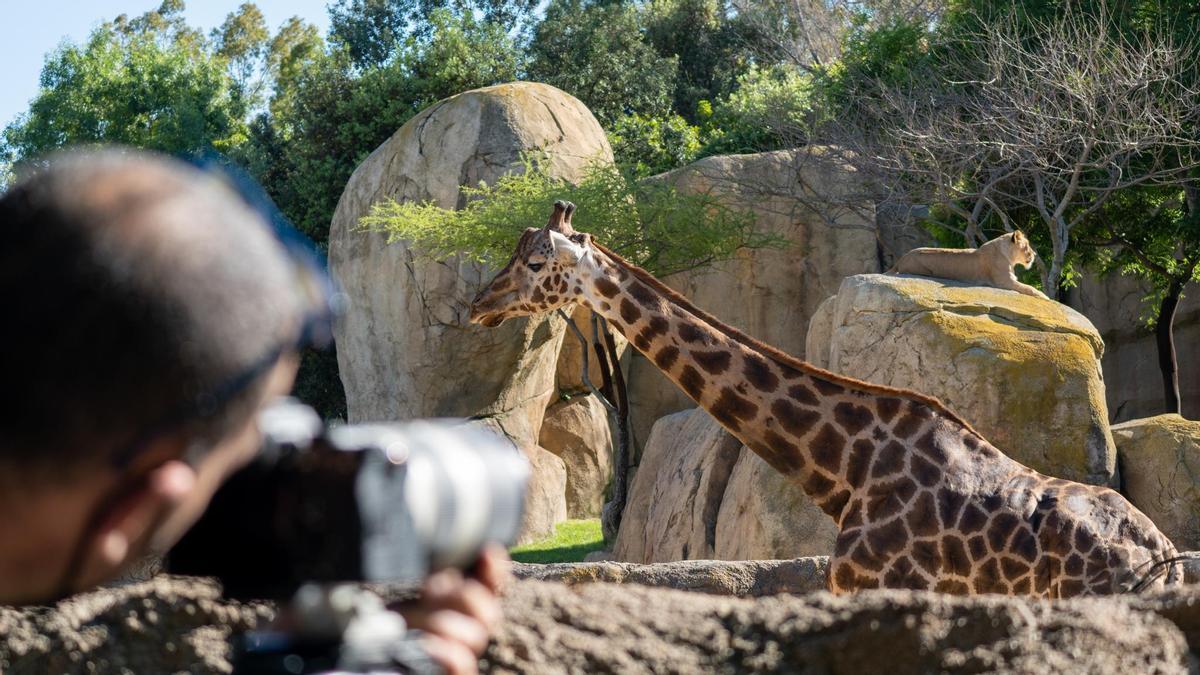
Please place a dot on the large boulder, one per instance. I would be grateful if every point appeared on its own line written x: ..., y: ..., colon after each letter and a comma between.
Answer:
x: 676, y: 494
x: 699, y: 493
x: 1024, y: 371
x: 768, y: 293
x: 545, y: 496
x: 764, y: 516
x: 405, y: 346
x: 743, y: 578
x: 1160, y: 468
x: 1132, y: 382
x: 577, y: 431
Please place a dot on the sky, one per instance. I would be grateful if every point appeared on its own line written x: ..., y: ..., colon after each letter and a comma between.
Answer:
x: 33, y: 28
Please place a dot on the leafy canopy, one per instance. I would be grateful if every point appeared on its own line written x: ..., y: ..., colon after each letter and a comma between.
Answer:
x: 648, y: 222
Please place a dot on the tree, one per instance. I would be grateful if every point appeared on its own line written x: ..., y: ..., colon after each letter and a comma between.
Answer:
x: 707, y: 43
x: 1156, y: 237
x: 1029, y: 122
x: 596, y: 53
x: 242, y: 41
x: 148, y: 87
x: 372, y: 31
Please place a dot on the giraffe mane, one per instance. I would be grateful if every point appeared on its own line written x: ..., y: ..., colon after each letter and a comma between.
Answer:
x: 779, y: 355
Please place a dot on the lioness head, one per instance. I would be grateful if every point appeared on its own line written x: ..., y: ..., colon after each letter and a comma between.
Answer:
x: 1019, y: 250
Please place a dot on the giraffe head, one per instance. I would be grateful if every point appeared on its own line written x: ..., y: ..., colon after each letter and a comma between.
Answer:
x: 540, y: 276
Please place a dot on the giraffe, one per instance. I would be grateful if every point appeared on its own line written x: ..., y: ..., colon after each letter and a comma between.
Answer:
x: 921, y: 500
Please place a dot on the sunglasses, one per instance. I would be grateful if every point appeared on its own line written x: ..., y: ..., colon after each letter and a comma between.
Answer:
x: 313, y: 282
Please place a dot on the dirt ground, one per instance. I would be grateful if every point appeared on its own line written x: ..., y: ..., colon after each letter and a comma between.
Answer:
x: 176, y: 624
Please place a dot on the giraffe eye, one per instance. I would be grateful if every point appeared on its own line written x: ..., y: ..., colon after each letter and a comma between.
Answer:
x: 535, y: 267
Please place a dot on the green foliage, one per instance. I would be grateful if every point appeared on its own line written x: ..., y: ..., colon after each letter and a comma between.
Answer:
x: 648, y: 222
x: 595, y: 52
x: 372, y: 31
x: 708, y: 44
x: 771, y: 109
x: 650, y: 145
x: 144, y: 88
x: 572, y: 540
x: 335, y: 115
x: 887, y: 54
x: 242, y: 40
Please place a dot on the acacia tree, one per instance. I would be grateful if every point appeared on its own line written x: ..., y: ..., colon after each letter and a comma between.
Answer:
x: 1028, y: 122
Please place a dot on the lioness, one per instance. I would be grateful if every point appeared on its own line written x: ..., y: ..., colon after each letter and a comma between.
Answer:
x: 990, y: 264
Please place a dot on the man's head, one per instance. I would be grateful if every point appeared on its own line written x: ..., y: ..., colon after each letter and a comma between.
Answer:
x: 149, y: 315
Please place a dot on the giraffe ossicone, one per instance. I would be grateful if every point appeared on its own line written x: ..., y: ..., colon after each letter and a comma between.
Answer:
x: 921, y: 500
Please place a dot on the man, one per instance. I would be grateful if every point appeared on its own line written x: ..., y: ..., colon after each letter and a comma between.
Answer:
x: 149, y: 315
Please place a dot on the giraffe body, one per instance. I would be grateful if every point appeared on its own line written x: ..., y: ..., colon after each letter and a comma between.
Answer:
x: 922, y: 501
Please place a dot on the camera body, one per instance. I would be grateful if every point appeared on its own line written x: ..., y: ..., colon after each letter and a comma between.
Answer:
x: 386, y: 502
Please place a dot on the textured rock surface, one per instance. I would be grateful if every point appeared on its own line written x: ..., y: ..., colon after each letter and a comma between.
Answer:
x: 1160, y: 465
x: 619, y: 629
x: 677, y: 491
x: 406, y: 349
x: 1025, y: 372
x: 545, y: 499
x: 765, y: 515
x: 699, y: 493
x: 743, y: 578
x: 770, y: 293
x: 1132, y: 382
x: 179, y: 625
x: 165, y: 625
x: 577, y: 431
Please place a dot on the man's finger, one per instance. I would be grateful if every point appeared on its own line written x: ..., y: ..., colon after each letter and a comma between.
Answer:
x: 454, y: 657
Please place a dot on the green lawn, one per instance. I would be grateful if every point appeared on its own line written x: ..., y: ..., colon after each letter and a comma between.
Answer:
x: 572, y: 540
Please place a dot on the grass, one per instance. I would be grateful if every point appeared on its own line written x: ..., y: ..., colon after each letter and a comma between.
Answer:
x: 572, y: 540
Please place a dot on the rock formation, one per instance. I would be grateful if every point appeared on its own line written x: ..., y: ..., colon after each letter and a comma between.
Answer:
x: 1025, y: 372
x: 577, y: 431
x: 1160, y: 470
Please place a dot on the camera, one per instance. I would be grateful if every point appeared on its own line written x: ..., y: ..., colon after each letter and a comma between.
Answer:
x: 383, y: 502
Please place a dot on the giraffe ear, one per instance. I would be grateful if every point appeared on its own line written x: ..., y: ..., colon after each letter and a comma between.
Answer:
x: 566, y: 250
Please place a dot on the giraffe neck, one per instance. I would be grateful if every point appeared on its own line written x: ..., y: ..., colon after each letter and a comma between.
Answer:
x: 807, y: 424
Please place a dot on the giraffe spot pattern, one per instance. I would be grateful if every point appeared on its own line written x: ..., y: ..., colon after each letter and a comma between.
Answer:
x: 954, y: 555
x: 689, y: 333
x: 859, y: 462
x: 715, y: 362
x: 1000, y: 529
x: 796, y: 421
x: 888, y: 407
x: 826, y: 449
x: 787, y: 456
x: 731, y: 409
x: 926, y: 555
x: 853, y: 418
x: 758, y: 374
x: 692, y: 381
x: 803, y: 395
x: 828, y: 388
x: 666, y: 357
x: 888, y: 539
x: 644, y: 296
x: 889, y: 460
x: 817, y: 485
x: 836, y: 504
x: 885, y: 500
x: 924, y: 471
x: 922, y: 517
x: 607, y: 288
x: 629, y: 312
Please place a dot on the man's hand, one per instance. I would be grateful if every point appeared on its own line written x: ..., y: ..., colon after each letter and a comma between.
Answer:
x: 459, y: 613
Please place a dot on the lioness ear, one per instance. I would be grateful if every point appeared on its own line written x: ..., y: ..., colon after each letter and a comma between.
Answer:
x: 1018, y: 235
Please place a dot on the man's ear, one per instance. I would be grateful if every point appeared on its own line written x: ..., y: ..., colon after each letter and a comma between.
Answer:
x: 128, y: 522
x: 565, y: 249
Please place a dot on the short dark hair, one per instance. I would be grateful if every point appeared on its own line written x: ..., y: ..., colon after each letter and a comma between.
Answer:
x: 132, y: 286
